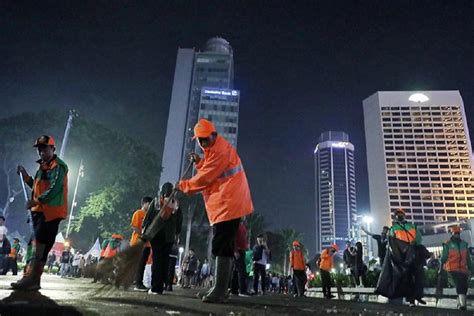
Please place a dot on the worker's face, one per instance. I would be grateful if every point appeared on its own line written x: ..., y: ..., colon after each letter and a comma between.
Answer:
x: 145, y: 206
x: 400, y: 216
x: 457, y: 235
x: 260, y: 241
x: 46, y: 152
x: 205, y: 142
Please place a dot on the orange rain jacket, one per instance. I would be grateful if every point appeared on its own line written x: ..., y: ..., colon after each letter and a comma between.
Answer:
x: 222, y: 180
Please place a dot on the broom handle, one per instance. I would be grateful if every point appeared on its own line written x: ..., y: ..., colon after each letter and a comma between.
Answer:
x: 30, y: 218
x: 144, y: 236
x: 175, y: 191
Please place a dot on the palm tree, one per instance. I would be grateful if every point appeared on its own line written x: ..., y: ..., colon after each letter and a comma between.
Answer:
x: 289, y: 235
x: 255, y: 224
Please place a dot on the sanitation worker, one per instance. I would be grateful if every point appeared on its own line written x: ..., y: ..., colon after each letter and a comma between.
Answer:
x: 457, y: 263
x: 136, y: 224
x: 48, y: 206
x: 298, y: 268
x: 221, y: 178
x: 408, y: 233
x: 325, y: 266
x: 167, y: 232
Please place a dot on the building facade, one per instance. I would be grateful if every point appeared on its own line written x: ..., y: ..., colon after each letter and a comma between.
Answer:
x: 202, y: 88
x: 419, y: 156
x: 335, y: 189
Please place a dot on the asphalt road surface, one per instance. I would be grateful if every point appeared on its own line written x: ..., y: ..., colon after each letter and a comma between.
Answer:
x: 81, y: 297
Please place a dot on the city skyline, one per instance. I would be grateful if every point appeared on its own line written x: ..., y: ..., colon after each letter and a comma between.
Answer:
x: 297, y: 77
x: 202, y: 88
x: 419, y: 156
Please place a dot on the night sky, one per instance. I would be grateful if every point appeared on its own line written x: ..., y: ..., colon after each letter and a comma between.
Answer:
x: 303, y: 67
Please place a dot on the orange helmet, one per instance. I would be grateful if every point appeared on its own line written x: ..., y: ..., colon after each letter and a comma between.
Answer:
x: 455, y: 229
x: 203, y: 129
x: 296, y: 243
x: 44, y: 140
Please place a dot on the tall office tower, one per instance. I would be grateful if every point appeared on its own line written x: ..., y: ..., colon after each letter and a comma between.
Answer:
x: 419, y: 156
x: 335, y: 189
x: 202, y: 88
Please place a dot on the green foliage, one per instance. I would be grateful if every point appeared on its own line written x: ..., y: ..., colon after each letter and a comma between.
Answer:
x: 255, y: 225
x: 371, y: 278
x: 118, y: 171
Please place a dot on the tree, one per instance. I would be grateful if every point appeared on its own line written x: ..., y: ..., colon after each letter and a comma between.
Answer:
x: 255, y: 225
x: 119, y: 170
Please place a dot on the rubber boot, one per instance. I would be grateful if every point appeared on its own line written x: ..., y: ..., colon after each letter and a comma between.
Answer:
x: 31, y: 282
x: 31, y: 279
x: 223, y: 270
x: 462, y: 302
x: 26, y: 274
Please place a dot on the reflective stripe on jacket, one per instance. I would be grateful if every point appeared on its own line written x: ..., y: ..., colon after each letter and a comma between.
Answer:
x: 223, y: 183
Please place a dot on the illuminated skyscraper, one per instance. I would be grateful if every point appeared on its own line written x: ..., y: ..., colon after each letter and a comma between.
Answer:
x: 419, y: 156
x: 335, y: 189
x: 202, y: 88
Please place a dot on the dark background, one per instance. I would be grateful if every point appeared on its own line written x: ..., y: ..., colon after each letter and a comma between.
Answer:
x: 303, y: 67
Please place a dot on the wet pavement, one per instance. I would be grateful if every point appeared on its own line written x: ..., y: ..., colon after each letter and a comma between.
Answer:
x: 81, y: 297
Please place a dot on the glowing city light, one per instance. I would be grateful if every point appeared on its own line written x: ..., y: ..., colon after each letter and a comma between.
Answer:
x: 418, y: 97
x: 339, y: 144
x: 368, y: 219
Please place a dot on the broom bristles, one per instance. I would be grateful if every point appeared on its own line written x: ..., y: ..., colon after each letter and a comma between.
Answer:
x: 126, y: 264
x: 121, y: 269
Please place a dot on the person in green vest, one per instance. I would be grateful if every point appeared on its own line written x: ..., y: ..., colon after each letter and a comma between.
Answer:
x: 409, y: 233
x: 48, y: 206
x: 457, y: 262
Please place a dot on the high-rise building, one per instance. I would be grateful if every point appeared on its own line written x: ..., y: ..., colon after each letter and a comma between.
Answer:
x: 419, y: 156
x: 335, y: 189
x: 202, y: 88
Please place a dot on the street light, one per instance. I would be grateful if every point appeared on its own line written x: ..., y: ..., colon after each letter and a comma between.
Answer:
x: 74, y: 203
x: 181, y: 250
x: 367, y: 219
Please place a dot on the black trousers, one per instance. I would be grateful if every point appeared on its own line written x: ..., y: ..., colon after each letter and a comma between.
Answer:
x: 10, y: 263
x: 299, y: 279
x: 460, y: 280
x: 141, y: 266
x: 239, y: 276
x: 223, y: 241
x: 326, y: 280
x: 259, y: 271
x: 171, y: 271
x: 416, y: 279
x: 45, y: 233
x: 159, y: 268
